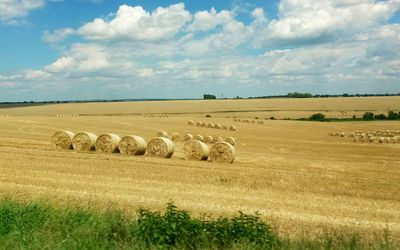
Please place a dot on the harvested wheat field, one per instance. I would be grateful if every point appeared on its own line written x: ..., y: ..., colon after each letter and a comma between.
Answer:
x: 292, y: 172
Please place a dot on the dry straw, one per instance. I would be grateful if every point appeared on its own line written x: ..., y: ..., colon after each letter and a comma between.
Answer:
x: 162, y: 134
x: 217, y: 126
x: 132, y: 145
x: 187, y: 137
x: 84, y: 141
x: 208, y: 139
x: 210, y: 125
x: 222, y: 152
x: 160, y: 147
x: 176, y: 137
x: 204, y: 124
x: 198, y: 137
x: 231, y: 141
x: 62, y: 140
x: 198, y: 124
x: 196, y: 150
x: 108, y: 143
x: 232, y: 128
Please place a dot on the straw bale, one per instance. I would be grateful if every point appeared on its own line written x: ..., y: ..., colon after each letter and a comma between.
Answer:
x: 132, y: 145
x: 62, y: 139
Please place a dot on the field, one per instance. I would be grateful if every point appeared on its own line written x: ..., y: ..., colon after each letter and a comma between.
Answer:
x: 297, y: 177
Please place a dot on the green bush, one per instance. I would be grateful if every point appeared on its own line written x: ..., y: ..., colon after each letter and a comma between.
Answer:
x: 393, y: 115
x: 368, y: 116
x: 317, y: 117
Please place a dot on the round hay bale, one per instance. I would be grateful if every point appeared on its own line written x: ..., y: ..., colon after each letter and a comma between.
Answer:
x: 160, y: 147
x: 390, y: 140
x: 343, y: 134
x: 208, y: 139
x: 238, y: 119
x: 196, y: 150
x: 108, y: 143
x: 198, y: 124
x: 198, y: 137
x: 253, y: 121
x: 382, y: 140
x: 337, y: 134
x: 231, y: 141
x: 260, y: 122
x: 132, y: 145
x: 217, y: 126
x: 331, y: 134
x: 204, y: 124
x: 84, y: 141
x: 217, y: 139
x: 357, y: 139
x: 396, y: 139
x: 351, y: 135
x: 222, y: 152
x: 187, y: 137
x: 162, y: 134
x: 224, y: 127
x: 232, y: 128
x: 190, y: 123
x: 62, y: 140
x: 176, y: 136
x: 210, y: 125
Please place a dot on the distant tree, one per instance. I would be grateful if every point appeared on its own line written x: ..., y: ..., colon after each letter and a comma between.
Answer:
x: 299, y: 95
x: 317, y: 117
x: 380, y: 117
x: 368, y: 116
x: 393, y: 116
x: 208, y: 97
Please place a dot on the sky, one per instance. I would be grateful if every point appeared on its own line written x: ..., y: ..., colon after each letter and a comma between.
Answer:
x: 102, y: 49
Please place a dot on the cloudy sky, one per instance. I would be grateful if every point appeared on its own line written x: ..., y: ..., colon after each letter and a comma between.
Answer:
x: 89, y: 49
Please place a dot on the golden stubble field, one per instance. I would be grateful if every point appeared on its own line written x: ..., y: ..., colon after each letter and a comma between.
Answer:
x: 291, y: 172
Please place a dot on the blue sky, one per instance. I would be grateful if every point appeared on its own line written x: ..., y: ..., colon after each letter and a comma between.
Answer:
x: 90, y: 49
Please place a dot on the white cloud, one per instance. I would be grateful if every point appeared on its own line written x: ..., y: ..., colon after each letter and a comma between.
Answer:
x: 207, y: 20
x: 134, y: 23
x: 11, y: 10
x: 57, y: 35
x: 317, y: 21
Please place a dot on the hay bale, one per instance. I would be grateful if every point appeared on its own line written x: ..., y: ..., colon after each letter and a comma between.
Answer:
x: 132, y: 145
x: 190, y: 123
x: 196, y: 150
x: 231, y: 141
x: 108, y: 143
x: 198, y: 137
x: 176, y: 136
x: 351, y: 135
x: 208, y: 139
x: 217, y: 126
x: 160, y: 147
x: 331, y: 134
x: 382, y: 140
x: 217, y: 139
x: 204, y: 124
x: 357, y: 139
x: 396, y: 139
x: 222, y: 152
x: 62, y: 140
x: 343, y: 134
x: 337, y: 134
x: 210, y: 125
x: 187, y: 137
x: 84, y: 141
x: 162, y: 134
x: 260, y: 122
x: 224, y: 127
x: 253, y: 121
x: 198, y: 124
x: 232, y: 128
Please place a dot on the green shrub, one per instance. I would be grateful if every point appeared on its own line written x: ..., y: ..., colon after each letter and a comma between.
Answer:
x: 368, y: 116
x: 393, y: 115
x: 317, y: 117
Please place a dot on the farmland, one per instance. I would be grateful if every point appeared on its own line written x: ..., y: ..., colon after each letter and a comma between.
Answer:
x: 296, y: 176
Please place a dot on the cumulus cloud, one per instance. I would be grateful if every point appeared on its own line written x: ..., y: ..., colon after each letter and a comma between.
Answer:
x: 319, y: 21
x: 206, y: 20
x: 137, y: 24
x: 58, y: 35
x: 11, y: 10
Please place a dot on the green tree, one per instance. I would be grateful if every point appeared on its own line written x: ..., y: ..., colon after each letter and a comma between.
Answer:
x: 368, y: 116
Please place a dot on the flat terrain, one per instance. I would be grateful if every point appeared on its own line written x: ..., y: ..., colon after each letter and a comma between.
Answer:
x: 291, y: 172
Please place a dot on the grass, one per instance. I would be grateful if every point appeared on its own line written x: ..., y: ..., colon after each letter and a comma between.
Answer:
x: 39, y: 226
